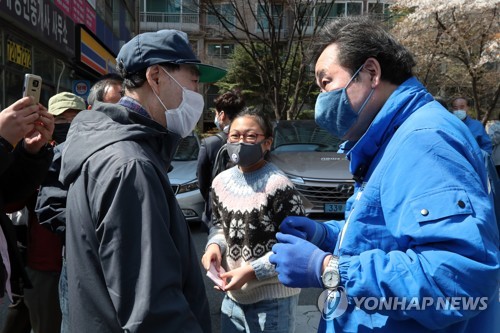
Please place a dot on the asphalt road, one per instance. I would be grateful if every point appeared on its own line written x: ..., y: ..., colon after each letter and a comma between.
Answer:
x: 307, y: 317
x: 307, y: 301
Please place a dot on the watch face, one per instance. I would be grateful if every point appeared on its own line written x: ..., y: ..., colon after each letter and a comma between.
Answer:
x: 330, y: 278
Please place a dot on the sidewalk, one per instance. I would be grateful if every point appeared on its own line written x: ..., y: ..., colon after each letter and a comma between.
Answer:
x: 307, y: 319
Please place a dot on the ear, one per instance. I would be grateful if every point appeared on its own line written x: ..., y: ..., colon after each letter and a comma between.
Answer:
x: 153, y: 77
x: 372, y: 66
x: 267, y: 143
x: 222, y: 116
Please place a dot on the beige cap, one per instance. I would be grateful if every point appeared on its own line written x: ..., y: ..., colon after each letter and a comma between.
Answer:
x: 64, y: 101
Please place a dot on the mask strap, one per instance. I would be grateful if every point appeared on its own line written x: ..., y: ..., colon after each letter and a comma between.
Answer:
x: 159, y: 100
x: 171, y: 77
x: 352, y: 78
x: 366, y: 101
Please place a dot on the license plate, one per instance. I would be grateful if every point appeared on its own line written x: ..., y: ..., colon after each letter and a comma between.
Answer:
x: 334, y: 208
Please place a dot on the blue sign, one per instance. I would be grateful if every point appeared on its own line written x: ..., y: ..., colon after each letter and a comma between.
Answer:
x: 81, y: 88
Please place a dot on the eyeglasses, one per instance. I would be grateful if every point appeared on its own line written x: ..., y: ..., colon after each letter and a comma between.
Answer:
x: 249, y: 137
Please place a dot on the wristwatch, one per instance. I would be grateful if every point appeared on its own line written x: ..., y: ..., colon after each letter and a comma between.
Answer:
x: 331, y: 276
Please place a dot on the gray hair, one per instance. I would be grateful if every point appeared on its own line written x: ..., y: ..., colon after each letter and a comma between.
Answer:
x: 99, y: 88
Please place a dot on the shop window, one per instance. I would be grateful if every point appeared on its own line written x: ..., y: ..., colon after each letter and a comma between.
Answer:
x: 63, y: 78
x: 13, y: 83
x: 44, y: 65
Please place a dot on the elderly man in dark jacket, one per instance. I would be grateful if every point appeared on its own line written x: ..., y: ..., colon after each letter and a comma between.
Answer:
x: 131, y: 262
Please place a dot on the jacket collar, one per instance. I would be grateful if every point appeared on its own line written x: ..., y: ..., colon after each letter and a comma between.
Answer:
x: 406, y: 99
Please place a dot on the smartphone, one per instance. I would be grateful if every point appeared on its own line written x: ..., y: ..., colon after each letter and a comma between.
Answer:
x: 214, y: 275
x: 32, y: 86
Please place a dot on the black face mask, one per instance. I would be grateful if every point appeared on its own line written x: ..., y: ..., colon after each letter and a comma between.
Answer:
x: 60, y: 132
x: 244, y: 154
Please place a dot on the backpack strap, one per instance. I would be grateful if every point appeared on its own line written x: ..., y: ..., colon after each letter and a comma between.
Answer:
x: 220, y: 163
x: 222, y: 136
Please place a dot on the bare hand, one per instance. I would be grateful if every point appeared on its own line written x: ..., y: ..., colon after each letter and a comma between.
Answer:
x: 238, y: 277
x: 42, y: 132
x: 17, y: 120
x: 212, y: 253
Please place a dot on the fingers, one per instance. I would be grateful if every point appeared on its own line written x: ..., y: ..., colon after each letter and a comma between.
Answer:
x: 23, y: 103
x: 294, y: 225
x: 207, y: 259
x: 286, y: 238
x: 219, y: 288
x: 47, y: 120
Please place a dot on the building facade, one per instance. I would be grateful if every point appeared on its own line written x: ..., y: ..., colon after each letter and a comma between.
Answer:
x: 212, y: 42
x: 69, y: 43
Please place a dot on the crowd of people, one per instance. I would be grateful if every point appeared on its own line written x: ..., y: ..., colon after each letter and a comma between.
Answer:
x: 105, y: 246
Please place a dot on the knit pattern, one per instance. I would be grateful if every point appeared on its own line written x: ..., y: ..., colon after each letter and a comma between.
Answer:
x: 247, y: 211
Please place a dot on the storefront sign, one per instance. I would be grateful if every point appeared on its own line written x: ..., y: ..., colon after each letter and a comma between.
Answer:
x: 43, y: 20
x: 81, y: 88
x: 18, y: 54
x: 80, y: 11
x: 94, y: 55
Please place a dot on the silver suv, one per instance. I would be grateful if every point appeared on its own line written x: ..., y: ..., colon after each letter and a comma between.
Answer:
x: 307, y: 154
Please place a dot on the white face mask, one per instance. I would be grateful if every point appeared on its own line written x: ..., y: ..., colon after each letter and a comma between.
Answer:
x: 461, y: 114
x: 182, y: 120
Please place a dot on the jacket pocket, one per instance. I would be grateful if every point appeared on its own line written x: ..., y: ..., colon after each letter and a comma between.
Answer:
x: 438, y: 205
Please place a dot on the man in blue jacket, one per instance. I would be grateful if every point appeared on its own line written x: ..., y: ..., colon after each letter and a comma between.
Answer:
x: 418, y: 251
x: 460, y: 108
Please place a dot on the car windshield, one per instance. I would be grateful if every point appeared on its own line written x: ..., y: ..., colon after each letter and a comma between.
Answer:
x: 188, y: 149
x: 292, y: 136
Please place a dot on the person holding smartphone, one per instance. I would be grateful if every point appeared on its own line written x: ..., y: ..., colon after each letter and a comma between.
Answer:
x: 25, y: 129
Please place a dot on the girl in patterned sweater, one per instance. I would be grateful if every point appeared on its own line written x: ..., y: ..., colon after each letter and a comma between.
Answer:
x: 249, y: 201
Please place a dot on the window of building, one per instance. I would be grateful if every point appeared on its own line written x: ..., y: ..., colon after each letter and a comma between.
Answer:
x: 354, y: 8
x: 222, y: 51
x: 173, y: 11
x: 108, y: 13
x: 305, y: 15
x: 129, y: 22
x: 339, y: 9
x: 226, y: 10
x: 274, y: 11
x: 116, y: 17
x: 378, y: 8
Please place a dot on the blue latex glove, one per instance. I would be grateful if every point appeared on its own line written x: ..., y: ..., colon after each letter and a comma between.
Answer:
x: 305, y: 228
x: 298, y: 262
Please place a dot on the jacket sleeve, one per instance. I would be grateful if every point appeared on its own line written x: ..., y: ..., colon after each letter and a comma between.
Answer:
x: 204, y: 171
x: 285, y: 202
x: 482, y: 138
x: 434, y: 201
x: 51, y: 201
x: 216, y: 234
x: 142, y: 261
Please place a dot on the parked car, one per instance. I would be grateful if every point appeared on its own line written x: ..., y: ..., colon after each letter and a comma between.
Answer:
x: 183, y: 178
x: 307, y: 154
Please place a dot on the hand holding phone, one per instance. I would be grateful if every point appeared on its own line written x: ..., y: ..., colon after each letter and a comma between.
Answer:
x: 32, y: 87
x: 213, y: 274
